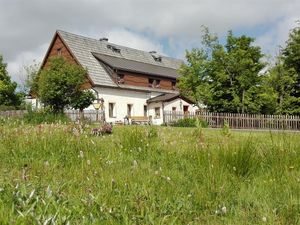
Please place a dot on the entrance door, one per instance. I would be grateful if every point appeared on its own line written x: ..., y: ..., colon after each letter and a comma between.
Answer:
x: 185, y: 109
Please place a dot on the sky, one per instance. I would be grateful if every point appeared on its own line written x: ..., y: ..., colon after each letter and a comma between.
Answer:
x: 168, y: 26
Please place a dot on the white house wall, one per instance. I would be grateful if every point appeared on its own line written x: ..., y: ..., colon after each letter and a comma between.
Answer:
x: 122, y: 97
x: 179, y: 107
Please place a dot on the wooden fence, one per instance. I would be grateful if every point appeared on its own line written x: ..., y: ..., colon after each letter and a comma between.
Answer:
x: 91, y: 115
x: 239, y: 121
x: 13, y: 113
x: 72, y: 114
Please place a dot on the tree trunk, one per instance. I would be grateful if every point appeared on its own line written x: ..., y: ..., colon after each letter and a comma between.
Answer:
x: 81, y: 115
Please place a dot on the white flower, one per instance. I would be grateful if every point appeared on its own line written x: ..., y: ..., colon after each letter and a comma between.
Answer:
x: 135, y: 163
x: 81, y: 154
x: 88, y: 162
x: 168, y: 178
x: 46, y: 163
x: 224, y: 209
x: 264, y: 219
x: 234, y: 169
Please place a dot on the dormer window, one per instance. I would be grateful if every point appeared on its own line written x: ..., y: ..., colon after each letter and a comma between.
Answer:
x: 113, y: 48
x: 155, y: 56
x: 59, y: 51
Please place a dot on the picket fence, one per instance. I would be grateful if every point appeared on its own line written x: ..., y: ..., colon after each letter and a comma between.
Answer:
x: 239, y: 121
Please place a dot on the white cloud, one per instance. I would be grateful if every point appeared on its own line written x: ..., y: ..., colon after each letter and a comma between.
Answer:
x: 130, y: 39
x: 26, y: 25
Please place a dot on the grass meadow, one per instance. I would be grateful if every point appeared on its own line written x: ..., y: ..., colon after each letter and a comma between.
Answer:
x: 60, y: 174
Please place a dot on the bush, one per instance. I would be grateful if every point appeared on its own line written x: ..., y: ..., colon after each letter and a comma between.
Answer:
x: 42, y: 116
x: 189, y: 122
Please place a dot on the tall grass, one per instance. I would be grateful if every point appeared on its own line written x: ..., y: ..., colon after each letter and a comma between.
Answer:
x: 52, y: 174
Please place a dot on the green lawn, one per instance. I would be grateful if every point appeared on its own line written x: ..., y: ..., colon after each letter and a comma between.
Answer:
x: 54, y: 174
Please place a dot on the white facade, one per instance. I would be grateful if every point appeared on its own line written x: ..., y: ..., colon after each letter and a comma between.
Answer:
x: 116, y: 103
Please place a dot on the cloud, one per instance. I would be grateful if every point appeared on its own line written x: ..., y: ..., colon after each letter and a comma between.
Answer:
x: 170, y: 26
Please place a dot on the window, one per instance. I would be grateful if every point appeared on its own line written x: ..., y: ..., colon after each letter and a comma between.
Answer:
x: 173, y: 112
x: 173, y: 85
x: 120, y: 78
x: 145, y: 110
x: 154, y: 83
x: 173, y: 109
x: 157, y: 112
x: 129, y: 110
x: 111, y: 110
x: 59, y: 51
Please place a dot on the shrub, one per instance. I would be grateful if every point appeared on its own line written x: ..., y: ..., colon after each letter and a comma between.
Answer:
x: 104, y: 129
x: 189, y: 122
x: 42, y: 116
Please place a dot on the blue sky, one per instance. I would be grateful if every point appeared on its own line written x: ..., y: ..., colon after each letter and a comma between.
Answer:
x: 167, y: 26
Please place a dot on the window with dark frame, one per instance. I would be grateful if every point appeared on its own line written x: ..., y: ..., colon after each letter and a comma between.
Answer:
x: 145, y: 110
x: 173, y: 85
x: 157, y: 112
x: 59, y: 51
x: 153, y: 83
x: 129, y: 110
x: 111, y: 110
x: 120, y: 78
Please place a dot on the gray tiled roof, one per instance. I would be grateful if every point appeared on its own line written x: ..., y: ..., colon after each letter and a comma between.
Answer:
x: 82, y: 48
x: 137, y: 67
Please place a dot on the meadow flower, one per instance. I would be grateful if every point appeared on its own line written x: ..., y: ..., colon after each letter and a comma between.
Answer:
x: 88, y: 162
x: 168, y: 178
x: 224, y: 209
x: 264, y: 219
x: 135, y: 164
x: 81, y: 154
x: 46, y: 163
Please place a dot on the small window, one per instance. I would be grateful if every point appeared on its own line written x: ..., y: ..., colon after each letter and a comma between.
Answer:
x: 174, y: 109
x: 145, y: 110
x: 120, y: 78
x: 59, y: 51
x: 111, y: 110
x: 154, y: 83
x: 173, y: 85
x: 129, y: 110
x: 157, y: 112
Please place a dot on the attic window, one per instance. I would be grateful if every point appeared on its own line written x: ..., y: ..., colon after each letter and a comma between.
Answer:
x: 155, y: 83
x: 113, y: 48
x: 59, y: 51
x: 120, y: 78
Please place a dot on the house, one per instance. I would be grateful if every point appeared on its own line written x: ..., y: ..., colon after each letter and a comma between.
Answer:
x: 131, y: 82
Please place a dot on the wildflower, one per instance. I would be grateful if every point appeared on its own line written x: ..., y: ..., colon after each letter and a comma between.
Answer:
x: 81, y: 154
x: 88, y: 162
x: 168, y: 178
x: 234, y: 169
x: 156, y: 172
x: 135, y: 163
x: 1, y: 189
x: 264, y: 219
x: 224, y: 209
x: 46, y: 163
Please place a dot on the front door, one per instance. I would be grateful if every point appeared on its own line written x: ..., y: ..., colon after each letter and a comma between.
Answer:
x: 185, y: 109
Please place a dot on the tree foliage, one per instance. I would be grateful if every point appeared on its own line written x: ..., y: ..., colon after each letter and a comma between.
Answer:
x: 8, y: 94
x: 225, y: 78
x: 60, y: 86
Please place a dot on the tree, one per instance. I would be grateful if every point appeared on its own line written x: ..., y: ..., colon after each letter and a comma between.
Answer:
x: 8, y: 94
x: 282, y: 80
x: 81, y: 100
x: 291, y: 60
x: 32, y: 78
x: 60, y: 86
x: 223, y: 77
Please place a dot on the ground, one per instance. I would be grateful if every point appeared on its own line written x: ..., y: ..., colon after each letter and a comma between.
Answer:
x: 59, y: 174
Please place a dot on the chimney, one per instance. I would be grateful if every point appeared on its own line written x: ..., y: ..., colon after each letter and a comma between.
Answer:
x: 103, y: 39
